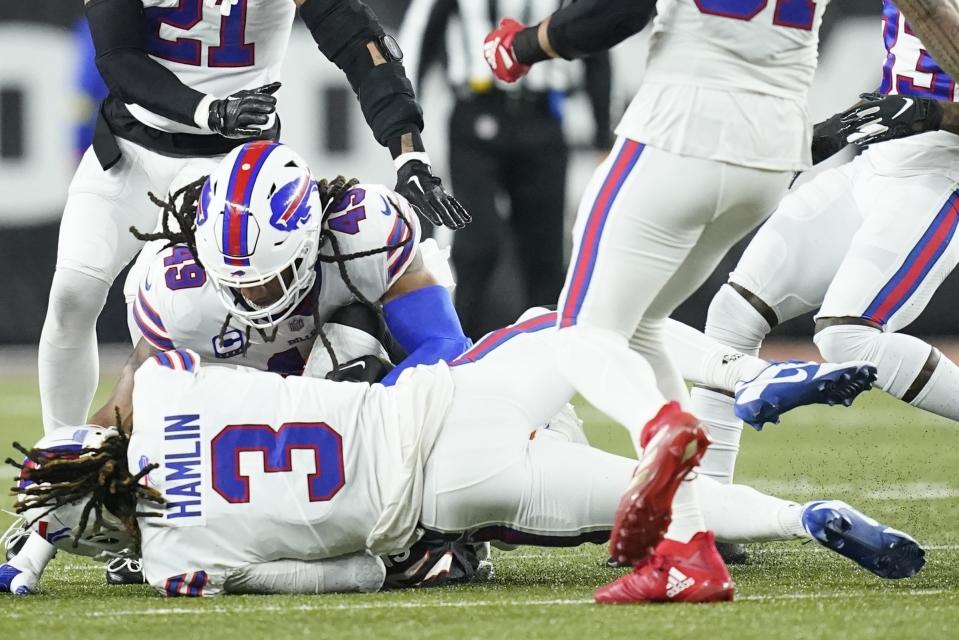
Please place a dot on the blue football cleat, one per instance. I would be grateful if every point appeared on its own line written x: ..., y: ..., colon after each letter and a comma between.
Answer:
x: 884, y: 551
x: 8, y: 581
x: 783, y: 386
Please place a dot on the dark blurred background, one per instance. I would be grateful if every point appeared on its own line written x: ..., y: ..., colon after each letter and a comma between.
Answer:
x: 45, y: 102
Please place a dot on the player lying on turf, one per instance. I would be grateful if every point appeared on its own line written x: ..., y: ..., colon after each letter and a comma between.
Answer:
x: 246, y: 481
x: 892, y: 214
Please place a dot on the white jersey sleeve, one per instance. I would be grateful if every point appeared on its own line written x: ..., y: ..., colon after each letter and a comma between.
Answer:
x: 380, y: 228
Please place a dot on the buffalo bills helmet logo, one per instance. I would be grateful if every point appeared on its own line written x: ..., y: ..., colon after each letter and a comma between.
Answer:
x: 203, y: 206
x: 291, y: 204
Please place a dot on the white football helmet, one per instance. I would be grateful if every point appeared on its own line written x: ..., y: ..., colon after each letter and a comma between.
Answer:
x: 258, y: 221
x: 59, y: 527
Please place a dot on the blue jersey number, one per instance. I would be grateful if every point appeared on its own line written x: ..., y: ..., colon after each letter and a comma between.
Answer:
x: 183, y: 272
x: 798, y: 14
x: 349, y: 222
x: 232, y: 51
x: 277, y: 447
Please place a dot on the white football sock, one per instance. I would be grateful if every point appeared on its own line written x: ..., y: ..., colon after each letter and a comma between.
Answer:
x: 900, y: 360
x: 705, y: 361
x: 67, y: 360
x: 688, y: 518
x: 737, y: 513
x: 734, y: 322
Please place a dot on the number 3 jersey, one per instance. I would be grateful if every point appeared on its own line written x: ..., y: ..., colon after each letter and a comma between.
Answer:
x: 175, y: 306
x: 728, y: 80
x: 217, y: 48
x: 256, y: 467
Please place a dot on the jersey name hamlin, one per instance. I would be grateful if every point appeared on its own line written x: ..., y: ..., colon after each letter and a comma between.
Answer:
x: 183, y: 469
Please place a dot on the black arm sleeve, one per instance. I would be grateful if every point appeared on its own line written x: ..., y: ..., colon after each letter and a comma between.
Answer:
x: 586, y: 27
x: 118, y: 28
x: 599, y: 87
x: 344, y: 29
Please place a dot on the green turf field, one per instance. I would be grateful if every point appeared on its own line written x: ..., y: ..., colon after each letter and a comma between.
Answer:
x: 898, y: 464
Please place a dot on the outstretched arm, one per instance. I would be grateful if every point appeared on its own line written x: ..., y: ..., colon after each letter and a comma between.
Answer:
x: 936, y: 23
x: 121, y: 399
x: 579, y: 29
x: 349, y: 35
x: 419, y: 313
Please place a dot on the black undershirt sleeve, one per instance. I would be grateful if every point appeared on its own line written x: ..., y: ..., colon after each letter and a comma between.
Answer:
x: 118, y: 28
x: 345, y: 31
x: 585, y: 27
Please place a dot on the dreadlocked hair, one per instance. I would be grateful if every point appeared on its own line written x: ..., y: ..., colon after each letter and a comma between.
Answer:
x: 98, y: 475
x: 340, y: 259
x: 179, y: 206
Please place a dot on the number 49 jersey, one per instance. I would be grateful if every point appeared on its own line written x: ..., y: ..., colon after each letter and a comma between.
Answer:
x: 216, y: 48
x: 174, y: 306
x: 256, y: 467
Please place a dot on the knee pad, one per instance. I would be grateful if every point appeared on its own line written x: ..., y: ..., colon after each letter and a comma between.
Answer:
x: 733, y: 321
x: 898, y: 357
x: 76, y: 299
x: 843, y: 342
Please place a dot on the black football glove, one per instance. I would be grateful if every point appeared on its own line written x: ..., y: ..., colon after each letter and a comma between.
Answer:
x: 244, y: 113
x: 827, y: 138
x: 363, y: 369
x: 876, y: 118
x: 416, y: 183
x: 879, y: 118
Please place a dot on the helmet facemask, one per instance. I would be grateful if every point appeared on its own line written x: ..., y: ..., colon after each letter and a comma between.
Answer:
x: 258, y: 225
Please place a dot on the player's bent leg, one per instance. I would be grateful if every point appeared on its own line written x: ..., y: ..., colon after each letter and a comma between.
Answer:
x: 508, y: 487
x: 908, y: 368
x: 783, y: 273
x: 741, y: 320
x: 94, y: 245
x: 630, y: 237
x: 67, y: 358
x: 893, y: 268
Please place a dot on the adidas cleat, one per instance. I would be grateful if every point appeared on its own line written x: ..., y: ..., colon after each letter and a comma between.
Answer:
x: 674, y: 572
x: 880, y: 549
x: 674, y: 442
x: 783, y: 386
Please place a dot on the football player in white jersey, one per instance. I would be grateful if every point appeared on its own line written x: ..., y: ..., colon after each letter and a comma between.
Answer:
x: 275, y: 262
x: 257, y: 480
x: 190, y: 80
x: 705, y: 151
x: 892, y: 215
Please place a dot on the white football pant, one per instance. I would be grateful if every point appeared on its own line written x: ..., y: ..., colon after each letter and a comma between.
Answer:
x: 95, y: 244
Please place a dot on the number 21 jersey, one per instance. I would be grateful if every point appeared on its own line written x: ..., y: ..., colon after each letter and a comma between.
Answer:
x: 217, y: 49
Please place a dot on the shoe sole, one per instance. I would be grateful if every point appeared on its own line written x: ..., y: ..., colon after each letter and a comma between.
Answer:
x: 706, y: 592
x: 897, y: 558
x: 645, y: 511
x: 841, y: 386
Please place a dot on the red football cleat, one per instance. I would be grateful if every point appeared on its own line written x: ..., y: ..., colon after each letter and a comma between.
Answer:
x: 675, y: 572
x: 674, y: 442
